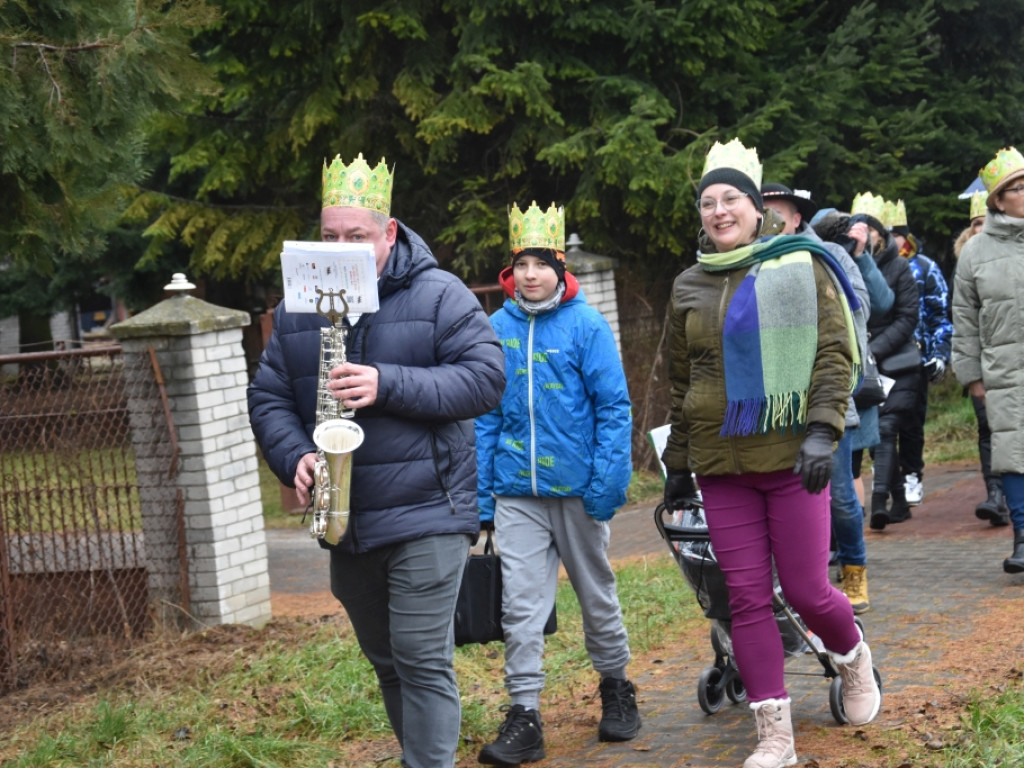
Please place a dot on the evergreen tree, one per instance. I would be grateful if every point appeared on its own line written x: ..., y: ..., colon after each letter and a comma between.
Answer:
x: 80, y: 83
x: 607, y: 107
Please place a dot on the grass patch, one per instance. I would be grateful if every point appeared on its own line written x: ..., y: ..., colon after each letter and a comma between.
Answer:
x: 993, y: 733
x: 274, y: 513
x: 296, y: 698
x: 94, y: 489
x: 951, y: 429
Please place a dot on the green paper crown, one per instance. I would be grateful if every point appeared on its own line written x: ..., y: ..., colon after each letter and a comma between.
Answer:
x: 734, y: 155
x: 869, y: 205
x: 356, y: 186
x: 1007, y: 162
x: 896, y: 214
x: 978, y: 204
x: 536, y: 228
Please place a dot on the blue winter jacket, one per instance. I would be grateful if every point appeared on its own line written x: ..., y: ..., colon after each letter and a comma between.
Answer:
x: 440, y: 366
x: 563, y: 428
x: 934, y: 332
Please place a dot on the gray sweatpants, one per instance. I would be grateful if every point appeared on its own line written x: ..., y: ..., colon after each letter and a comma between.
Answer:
x: 532, y: 535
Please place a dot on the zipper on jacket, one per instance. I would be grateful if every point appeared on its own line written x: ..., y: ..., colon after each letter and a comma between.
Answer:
x: 445, y: 481
x: 529, y: 408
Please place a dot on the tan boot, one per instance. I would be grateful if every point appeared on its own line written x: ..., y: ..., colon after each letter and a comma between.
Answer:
x: 861, y: 695
x: 854, y: 583
x: 774, y: 735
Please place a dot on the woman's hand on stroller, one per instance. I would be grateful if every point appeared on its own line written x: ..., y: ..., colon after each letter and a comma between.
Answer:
x: 680, y: 489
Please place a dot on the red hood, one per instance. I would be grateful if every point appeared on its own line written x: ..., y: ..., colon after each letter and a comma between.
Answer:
x: 572, y: 285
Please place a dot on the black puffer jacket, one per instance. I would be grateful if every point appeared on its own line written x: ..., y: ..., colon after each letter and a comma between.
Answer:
x: 889, y: 331
x: 440, y: 366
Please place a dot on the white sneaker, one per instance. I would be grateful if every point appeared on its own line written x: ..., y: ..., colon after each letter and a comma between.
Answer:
x: 913, y: 488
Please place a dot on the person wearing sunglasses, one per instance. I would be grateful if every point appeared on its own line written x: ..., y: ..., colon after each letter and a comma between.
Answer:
x: 987, y: 343
x: 762, y: 359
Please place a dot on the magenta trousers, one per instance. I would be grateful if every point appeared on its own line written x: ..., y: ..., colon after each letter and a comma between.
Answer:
x: 751, y: 519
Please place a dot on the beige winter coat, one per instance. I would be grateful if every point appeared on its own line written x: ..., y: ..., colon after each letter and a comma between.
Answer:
x: 988, y: 331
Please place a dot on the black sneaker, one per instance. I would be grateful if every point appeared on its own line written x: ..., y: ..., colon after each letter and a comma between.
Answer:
x: 620, y: 719
x: 520, y: 739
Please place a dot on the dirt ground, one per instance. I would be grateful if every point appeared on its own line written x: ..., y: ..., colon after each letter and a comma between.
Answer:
x: 918, y: 720
x: 988, y: 660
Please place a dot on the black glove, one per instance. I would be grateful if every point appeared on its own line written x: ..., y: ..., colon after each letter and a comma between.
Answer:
x: 937, y: 369
x: 814, y: 461
x: 680, y: 489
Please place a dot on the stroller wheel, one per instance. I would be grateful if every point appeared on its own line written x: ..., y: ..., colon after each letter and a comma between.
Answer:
x: 835, y: 696
x: 709, y: 695
x: 835, y: 700
x: 735, y: 690
x: 860, y: 626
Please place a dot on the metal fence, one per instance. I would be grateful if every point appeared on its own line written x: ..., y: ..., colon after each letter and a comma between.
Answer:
x: 73, y: 579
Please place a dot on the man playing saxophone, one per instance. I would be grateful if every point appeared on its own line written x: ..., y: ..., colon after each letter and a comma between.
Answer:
x: 417, y: 372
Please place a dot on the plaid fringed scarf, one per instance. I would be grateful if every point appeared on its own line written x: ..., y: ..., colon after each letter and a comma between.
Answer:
x: 770, y: 334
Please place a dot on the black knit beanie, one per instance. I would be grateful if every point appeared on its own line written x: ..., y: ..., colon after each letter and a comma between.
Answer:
x: 554, y: 259
x: 871, y: 221
x: 901, y: 229
x: 733, y: 178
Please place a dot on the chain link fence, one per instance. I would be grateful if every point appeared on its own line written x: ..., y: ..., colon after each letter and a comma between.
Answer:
x: 73, y: 577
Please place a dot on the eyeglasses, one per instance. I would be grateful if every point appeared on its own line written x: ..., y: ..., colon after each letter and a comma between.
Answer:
x: 708, y: 205
x: 1016, y: 190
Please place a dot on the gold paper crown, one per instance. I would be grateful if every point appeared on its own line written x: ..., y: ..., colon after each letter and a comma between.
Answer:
x: 734, y: 155
x: 888, y: 214
x: 869, y: 205
x: 1006, y: 163
x: 978, y: 204
x: 356, y: 186
x: 536, y: 228
x: 896, y: 214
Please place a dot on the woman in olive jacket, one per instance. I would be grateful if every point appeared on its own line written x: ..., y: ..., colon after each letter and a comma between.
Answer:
x: 762, y: 362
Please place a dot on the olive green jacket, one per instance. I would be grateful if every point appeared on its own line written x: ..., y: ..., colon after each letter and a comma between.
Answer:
x: 697, y: 377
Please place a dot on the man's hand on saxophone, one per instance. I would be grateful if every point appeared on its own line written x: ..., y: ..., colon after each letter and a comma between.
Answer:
x: 304, y: 478
x: 354, y: 385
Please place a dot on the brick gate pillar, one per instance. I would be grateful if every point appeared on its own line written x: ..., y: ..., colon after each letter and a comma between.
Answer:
x: 596, y: 276
x: 199, y: 350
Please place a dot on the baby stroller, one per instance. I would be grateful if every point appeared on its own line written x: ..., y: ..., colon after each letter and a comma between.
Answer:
x: 686, y: 534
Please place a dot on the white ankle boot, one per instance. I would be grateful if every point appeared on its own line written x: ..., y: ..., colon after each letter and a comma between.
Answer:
x: 775, y: 746
x: 861, y: 696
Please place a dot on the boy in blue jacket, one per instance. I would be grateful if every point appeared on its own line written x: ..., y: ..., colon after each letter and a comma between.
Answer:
x: 553, y: 466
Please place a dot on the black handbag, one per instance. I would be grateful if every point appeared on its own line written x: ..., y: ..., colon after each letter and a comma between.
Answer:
x: 871, y: 391
x: 478, y: 606
x: 907, y: 359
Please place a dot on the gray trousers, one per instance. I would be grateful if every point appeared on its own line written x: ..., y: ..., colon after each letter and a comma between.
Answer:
x: 532, y: 535
x: 401, y: 600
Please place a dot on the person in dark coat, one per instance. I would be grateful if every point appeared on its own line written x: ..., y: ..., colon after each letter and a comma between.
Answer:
x: 934, y: 335
x: 418, y: 371
x: 889, y: 333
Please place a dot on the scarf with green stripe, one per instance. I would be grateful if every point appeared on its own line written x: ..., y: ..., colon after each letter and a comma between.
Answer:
x: 770, y: 333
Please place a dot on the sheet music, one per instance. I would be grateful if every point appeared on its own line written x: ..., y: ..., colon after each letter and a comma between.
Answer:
x: 306, y: 266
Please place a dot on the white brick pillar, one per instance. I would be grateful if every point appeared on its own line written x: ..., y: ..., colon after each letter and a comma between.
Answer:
x: 199, y: 349
x: 596, y: 276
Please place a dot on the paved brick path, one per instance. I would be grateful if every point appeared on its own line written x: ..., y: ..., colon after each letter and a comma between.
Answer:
x: 935, y: 565
x: 924, y: 576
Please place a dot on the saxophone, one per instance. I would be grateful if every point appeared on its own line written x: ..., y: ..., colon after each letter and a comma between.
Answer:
x: 336, y: 436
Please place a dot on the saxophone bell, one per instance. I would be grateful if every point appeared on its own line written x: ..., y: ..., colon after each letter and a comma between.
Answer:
x: 335, y: 440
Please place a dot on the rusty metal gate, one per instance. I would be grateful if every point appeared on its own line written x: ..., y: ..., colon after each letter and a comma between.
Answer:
x: 73, y: 579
